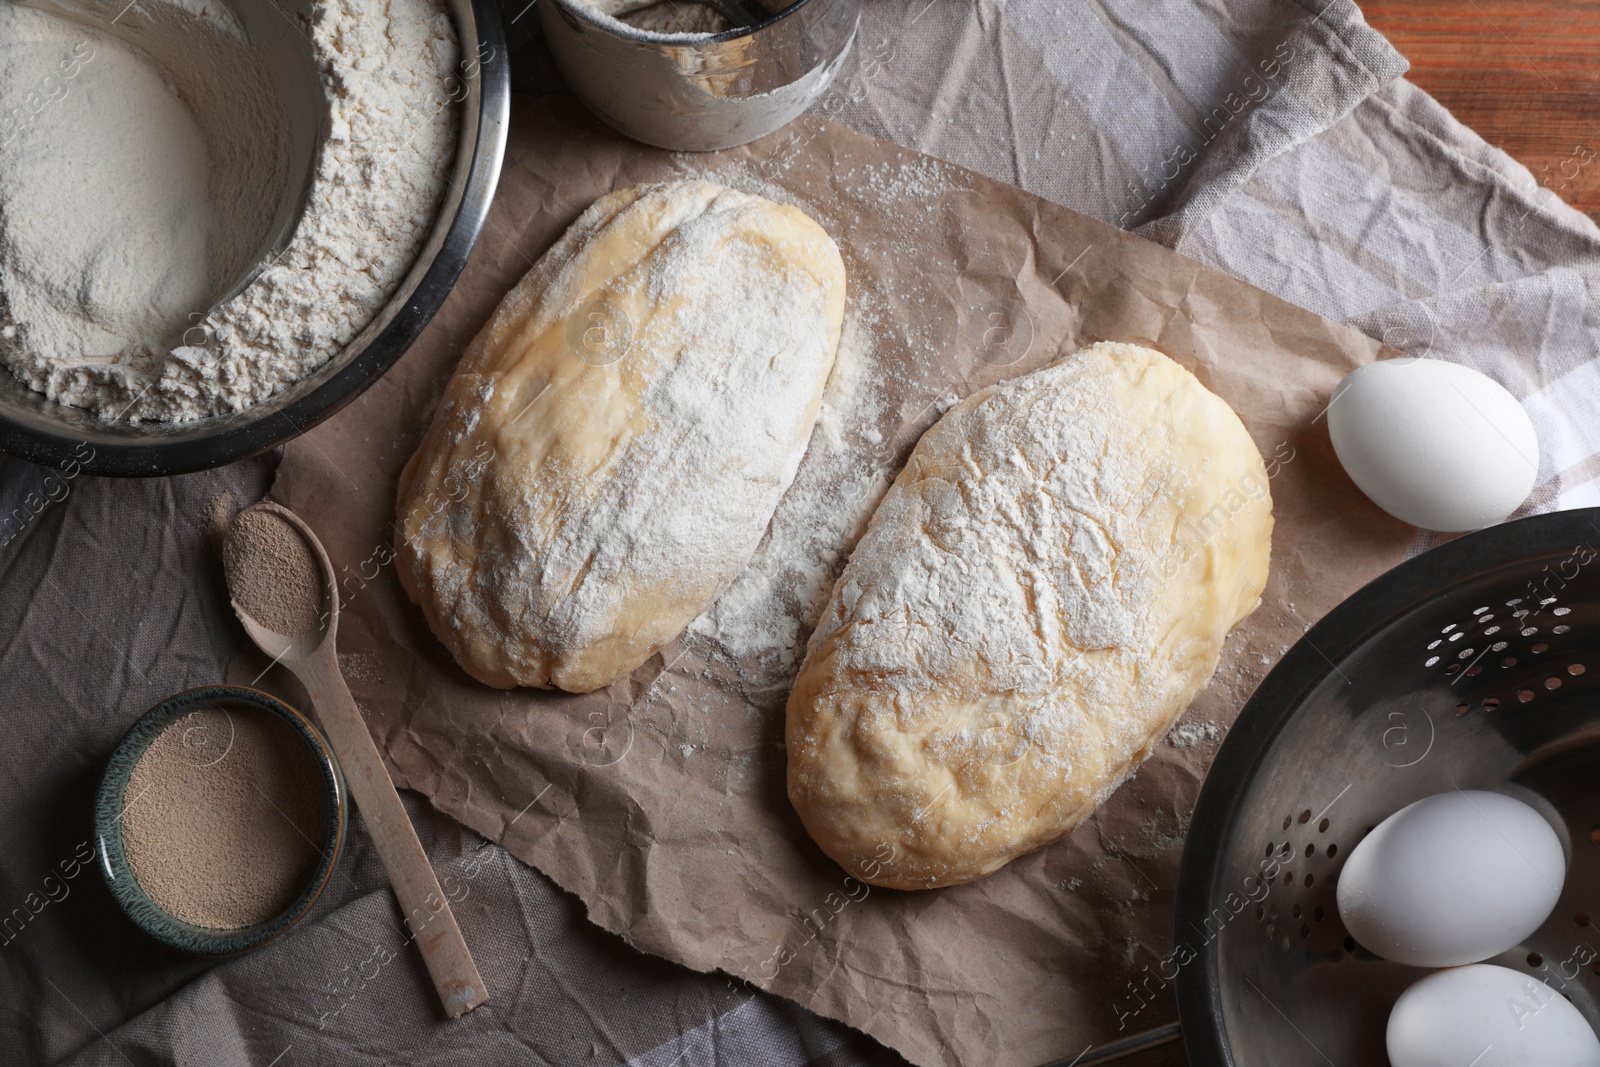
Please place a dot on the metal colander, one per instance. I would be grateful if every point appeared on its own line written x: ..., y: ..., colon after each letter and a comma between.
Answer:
x: 1473, y: 666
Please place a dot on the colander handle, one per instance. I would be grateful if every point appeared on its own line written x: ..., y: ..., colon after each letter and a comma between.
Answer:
x: 1128, y: 1046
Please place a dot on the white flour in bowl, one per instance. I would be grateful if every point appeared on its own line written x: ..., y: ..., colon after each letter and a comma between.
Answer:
x: 121, y: 205
x: 105, y: 210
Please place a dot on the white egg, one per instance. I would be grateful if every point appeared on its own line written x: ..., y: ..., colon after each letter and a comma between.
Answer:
x: 1433, y: 443
x: 1452, y: 879
x: 1488, y: 1016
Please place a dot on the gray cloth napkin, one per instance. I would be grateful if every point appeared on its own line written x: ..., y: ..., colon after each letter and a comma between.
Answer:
x: 1271, y: 139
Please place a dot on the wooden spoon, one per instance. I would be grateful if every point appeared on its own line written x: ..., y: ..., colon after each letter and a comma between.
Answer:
x: 312, y: 658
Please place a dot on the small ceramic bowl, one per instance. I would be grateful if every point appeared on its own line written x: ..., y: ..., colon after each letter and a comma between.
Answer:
x: 111, y: 800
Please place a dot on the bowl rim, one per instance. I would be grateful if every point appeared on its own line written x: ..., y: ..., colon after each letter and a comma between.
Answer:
x: 188, y: 447
x: 680, y: 40
x: 108, y: 809
x: 1278, y: 699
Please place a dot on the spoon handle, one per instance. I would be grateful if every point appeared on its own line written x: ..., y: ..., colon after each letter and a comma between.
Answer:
x: 427, y: 911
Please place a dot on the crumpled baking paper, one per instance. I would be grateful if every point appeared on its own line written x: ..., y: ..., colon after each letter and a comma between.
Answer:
x: 660, y: 801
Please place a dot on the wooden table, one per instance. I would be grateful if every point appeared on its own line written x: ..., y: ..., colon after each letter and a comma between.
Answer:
x: 1524, y: 73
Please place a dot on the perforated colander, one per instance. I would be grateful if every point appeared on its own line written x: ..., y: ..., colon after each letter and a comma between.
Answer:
x: 1473, y: 666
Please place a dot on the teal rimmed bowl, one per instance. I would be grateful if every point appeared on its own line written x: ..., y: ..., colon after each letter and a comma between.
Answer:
x: 112, y: 798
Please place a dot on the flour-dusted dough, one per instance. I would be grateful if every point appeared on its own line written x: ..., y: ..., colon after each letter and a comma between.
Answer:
x: 1041, y: 593
x: 611, y: 448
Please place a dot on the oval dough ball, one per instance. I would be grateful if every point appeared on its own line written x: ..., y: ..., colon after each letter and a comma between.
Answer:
x: 610, y: 450
x: 1036, y: 600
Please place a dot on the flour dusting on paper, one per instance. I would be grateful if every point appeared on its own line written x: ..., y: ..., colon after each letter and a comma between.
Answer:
x: 763, y: 619
x: 766, y: 614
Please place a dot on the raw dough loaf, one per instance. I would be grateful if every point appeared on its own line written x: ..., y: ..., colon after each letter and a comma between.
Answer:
x: 1041, y: 593
x: 609, y: 453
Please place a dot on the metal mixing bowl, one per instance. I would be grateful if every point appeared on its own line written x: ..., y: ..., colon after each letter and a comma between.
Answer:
x: 45, y: 432
x: 1473, y: 666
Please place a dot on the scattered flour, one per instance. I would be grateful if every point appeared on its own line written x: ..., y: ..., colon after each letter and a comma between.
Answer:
x: 113, y: 247
x: 765, y: 615
x: 1190, y: 734
x: 762, y: 620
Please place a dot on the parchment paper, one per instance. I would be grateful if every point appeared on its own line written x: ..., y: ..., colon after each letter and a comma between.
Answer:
x: 660, y: 801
